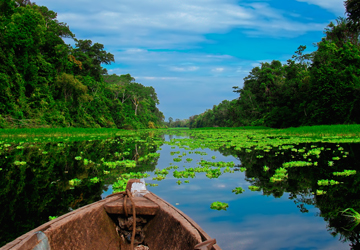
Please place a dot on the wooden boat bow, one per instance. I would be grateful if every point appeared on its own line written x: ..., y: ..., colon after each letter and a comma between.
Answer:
x: 142, y: 218
x: 206, y: 245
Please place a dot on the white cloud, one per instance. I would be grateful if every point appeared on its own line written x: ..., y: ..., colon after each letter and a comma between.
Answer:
x: 150, y: 39
x: 334, y: 6
x: 241, y: 70
x: 178, y: 61
x: 155, y: 78
x: 172, y: 24
x: 182, y: 69
x: 218, y: 70
x: 257, y: 64
x: 134, y: 50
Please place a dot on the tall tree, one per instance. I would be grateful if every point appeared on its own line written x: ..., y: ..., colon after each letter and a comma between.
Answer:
x: 353, y: 10
x: 170, y: 121
x: 335, y: 84
x: 91, y: 56
x: 341, y: 32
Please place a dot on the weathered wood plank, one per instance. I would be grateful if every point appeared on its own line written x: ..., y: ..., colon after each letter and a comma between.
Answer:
x: 143, y: 206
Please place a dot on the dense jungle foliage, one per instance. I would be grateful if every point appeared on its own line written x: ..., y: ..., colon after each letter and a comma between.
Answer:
x: 322, y: 87
x: 47, y: 83
x: 177, y: 123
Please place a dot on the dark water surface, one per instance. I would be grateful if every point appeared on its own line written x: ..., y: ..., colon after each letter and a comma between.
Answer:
x: 279, y: 216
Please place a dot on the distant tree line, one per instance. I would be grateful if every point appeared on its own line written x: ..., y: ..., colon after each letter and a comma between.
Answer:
x: 177, y: 123
x: 44, y: 82
x: 322, y: 87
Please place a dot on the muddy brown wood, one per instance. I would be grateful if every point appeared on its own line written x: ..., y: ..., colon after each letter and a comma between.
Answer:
x: 143, y: 206
x: 88, y: 227
x: 92, y: 227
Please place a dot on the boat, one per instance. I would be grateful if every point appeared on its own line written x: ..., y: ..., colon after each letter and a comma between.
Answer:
x: 133, y: 219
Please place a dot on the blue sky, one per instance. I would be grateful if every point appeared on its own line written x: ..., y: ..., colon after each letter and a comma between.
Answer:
x: 193, y: 51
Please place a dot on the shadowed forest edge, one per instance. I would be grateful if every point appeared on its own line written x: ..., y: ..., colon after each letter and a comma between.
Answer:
x: 47, y: 83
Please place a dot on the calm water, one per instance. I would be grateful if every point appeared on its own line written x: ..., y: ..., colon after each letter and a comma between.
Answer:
x: 295, y: 219
x: 252, y: 221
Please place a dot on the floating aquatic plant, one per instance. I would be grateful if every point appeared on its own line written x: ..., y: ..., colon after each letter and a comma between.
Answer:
x: 74, y: 182
x: 345, y: 173
x: 238, y: 190
x: 213, y: 173
x: 53, y: 217
x: 125, y: 163
x: 184, y: 174
x: 200, y: 153
x: 94, y: 180
x: 254, y: 188
x: 298, y: 164
x: 120, y: 185
x: 228, y: 170
x: 217, y: 205
x: 320, y: 192
x: 327, y: 182
x: 162, y: 172
x: 281, y: 171
x: 159, y: 177
x: 19, y: 162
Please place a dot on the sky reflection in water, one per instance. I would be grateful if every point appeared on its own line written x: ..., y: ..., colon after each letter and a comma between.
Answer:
x: 252, y: 220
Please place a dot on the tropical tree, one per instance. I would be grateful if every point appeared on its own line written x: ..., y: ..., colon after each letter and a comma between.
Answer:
x: 44, y: 80
x: 341, y: 32
x: 170, y: 121
x: 353, y: 10
x: 91, y: 56
x: 335, y: 84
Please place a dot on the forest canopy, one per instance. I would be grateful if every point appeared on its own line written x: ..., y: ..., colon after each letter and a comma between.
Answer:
x: 322, y: 87
x: 47, y: 83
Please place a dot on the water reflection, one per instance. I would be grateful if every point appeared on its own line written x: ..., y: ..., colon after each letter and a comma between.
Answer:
x: 252, y: 221
x: 35, y: 178
x: 283, y: 215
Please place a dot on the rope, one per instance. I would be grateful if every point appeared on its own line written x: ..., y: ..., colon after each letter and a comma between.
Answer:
x: 134, y: 219
x: 128, y: 194
x: 126, y: 214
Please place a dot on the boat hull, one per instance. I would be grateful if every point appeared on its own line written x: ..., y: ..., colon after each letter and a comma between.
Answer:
x: 94, y: 227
